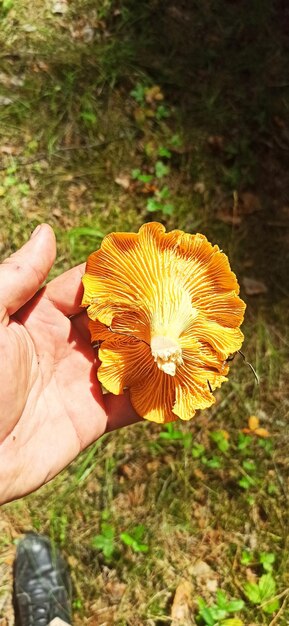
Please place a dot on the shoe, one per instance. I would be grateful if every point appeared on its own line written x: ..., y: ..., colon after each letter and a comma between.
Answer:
x: 42, y: 588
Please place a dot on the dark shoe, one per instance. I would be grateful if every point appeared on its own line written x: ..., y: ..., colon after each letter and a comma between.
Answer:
x: 42, y: 587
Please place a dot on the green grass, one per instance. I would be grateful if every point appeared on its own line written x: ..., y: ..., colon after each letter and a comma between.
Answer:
x: 82, y: 139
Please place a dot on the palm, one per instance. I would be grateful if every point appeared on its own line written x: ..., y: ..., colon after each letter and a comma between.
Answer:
x: 51, y: 404
x: 59, y: 407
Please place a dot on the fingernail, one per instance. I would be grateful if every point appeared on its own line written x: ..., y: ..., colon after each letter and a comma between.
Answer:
x: 36, y: 231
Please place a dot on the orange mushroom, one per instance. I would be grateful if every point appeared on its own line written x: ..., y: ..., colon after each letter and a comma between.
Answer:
x: 166, y: 310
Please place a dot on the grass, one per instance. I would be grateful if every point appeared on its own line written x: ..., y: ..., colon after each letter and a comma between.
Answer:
x: 112, y: 115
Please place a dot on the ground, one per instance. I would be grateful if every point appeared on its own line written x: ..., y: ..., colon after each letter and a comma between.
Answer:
x: 113, y: 114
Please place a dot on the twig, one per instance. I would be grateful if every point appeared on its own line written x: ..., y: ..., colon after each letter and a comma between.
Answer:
x: 282, y: 607
x: 277, y: 597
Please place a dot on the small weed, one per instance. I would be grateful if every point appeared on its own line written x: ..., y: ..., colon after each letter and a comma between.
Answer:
x: 198, y: 450
x: 262, y: 593
x: 217, y: 614
x: 134, y: 539
x: 105, y: 540
x: 172, y: 434
x: 220, y: 438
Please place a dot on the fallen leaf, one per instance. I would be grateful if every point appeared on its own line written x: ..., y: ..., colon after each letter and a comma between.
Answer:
x: 29, y: 28
x: 182, y: 603
x: 116, y: 589
x: 254, y: 287
x: 262, y: 432
x: 249, y: 203
x: 5, y: 101
x: 136, y: 495
x: 216, y: 142
x: 9, y: 80
x: 229, y: 218
x: 154, y: 94
x: 253, y: 422
x: 254, y: 429
x: 59, y: 8
x: 205, y: 576
x: 123, y: 181
x: 199, y: 474
x: 200, y: 188
x: 11, y: 150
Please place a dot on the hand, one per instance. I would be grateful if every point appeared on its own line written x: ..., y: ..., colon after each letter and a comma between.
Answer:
x: 51, y: 404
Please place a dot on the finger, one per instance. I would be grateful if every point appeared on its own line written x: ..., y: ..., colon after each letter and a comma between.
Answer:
x: 120, y: 411
x: 23, y: 272
x: 66, y: 290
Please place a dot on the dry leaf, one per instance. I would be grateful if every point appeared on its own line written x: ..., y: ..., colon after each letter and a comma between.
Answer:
x: 11, y: 150
x: 200, y: 188
x: 229, y: 218
x: 123, y: 181
x: 181, y: 607
x: 59, y: 8
x: 249, y: 203
x: 154, y: 93
x: 253, y: 422
x: 253, y: 428
x: 205, y: 576
x: 5, y: 101
x: 262, y: 432
x: 254, y: 287
x: 216, y: 142
x: 136, y: 495
x: 115, y: 589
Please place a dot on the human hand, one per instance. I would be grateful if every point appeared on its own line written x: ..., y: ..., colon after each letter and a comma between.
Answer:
x: 51, y: 404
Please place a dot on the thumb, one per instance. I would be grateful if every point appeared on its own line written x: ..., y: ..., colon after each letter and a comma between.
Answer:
x: 23, y: 272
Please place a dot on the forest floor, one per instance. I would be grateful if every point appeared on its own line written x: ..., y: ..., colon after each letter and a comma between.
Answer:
x: 117, y: 113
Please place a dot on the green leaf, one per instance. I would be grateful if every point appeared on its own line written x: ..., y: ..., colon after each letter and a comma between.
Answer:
x: 249, y: 465
x: 252, y: 592
x: 162, y: 112
x: 128, y: 540
x: 138, y: 531
x: 153, y: 205
x: 105, y: 540
x: 217, y: 613
x: 213, y: 463
x: 267, y: 559
x: 7, y: 4
x: 164, y: 152
x: 176, y: 141
x: 246, y: 557
x: 222, y: 599
x: 161, y: 169
x: 89, y: 117
x: 235, y: 605
x: 220, y: 440
x: 244, y: 441
x: 232, y: 621
x: 163, y: 193
x: 9, y: 181
x: 197, y: 450
x: 24, y: 189
x: 138, y: 93
x: 271, y: 607
x: 135, y: 173
x: 267, y: 587
x: 246, y: 482
x: 168, y: 209
x: 205, y: 613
